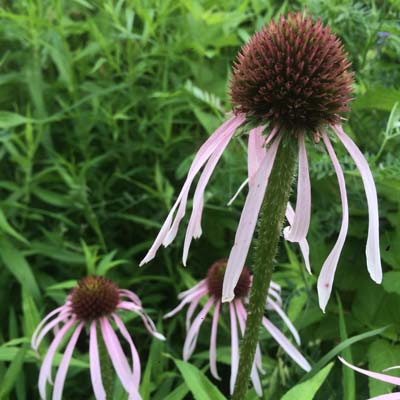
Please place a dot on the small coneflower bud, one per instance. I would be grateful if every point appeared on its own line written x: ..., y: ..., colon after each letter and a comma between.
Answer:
x: 215, y: 279
x: 94, y: 297
x: 293, y: 75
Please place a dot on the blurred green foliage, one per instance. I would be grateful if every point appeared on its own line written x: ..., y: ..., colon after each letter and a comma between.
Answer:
x: 102, y: 106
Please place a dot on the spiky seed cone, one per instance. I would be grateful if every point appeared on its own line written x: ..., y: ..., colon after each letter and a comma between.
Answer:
x: 215, y: 279
x: 293, y: 75
x: 94, y: 297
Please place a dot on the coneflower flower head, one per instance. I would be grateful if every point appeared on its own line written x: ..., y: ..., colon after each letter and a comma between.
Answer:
x: 294, y: 74
x: 211, y: 288
x: 93, y: 303
x: 291, y: 80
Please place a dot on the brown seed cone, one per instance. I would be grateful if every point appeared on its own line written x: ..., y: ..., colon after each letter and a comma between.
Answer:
x: 294, y: 74
x: 215, y: 279
x: 94, y: 297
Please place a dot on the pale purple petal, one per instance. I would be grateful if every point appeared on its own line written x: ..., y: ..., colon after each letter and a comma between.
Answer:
x: 188, y: 299
x: 131, y: 296
x: 148, y: 322
x: 118, y: 357
x: 213, y: 341
x: 95, y: 370
x: 191, y: 336
x: 255, y: 151
x: 304, y: 248
x: 286, y: 345
x: 301, y: 223
x: 275, y: 295
x: 247, y: 223
x: 136, y: 372
x: 170, y: 226
x: 199, y: 285
x: 372, y: 250
x: 45, y: 370
x: 42, y: 322
x: 327, y: 274
x: 391, y: 396
x: 234, y: 347
x: 63, y: 315
x: 194, y: 227
x: 63, y: 368
x: 376, y: 375
x: 191, y: 309
x: 285, y: 319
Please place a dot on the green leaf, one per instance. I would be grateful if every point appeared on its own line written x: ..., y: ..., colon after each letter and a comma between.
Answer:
x: 378, y: 97
x: 18, y: 266
x: 10, y: 119
x: 308, y: 389
x: 391, y: 282
x: 197, y: 382
x: 7, y: 228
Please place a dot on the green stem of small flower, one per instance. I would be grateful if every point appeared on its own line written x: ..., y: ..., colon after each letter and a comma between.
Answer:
x: 107, y: 372
x: 270, y: 223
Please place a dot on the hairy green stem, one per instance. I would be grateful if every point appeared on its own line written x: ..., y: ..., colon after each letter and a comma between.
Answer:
x: 107, y: 372
x: 269, y: 229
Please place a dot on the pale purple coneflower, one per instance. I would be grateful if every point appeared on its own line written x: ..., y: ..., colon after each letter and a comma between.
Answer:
x: 211, y: 287
x: 290, y: 81
x: 381, y: 377
x: 93, y: 304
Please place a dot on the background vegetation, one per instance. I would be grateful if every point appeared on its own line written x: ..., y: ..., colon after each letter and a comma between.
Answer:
x: 103, y: 104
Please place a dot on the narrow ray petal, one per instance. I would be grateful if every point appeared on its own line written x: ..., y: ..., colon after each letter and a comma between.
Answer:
x: 199, y: 285
x: 247, y: 223
x: 391, y: 396
x: 188, y: 299
x: 213, y: 342
x: 327, y: 274
x: 191, y: 309
x: 135, y: 356
x: 301, y: 222
x: 194, y: 227
x: 286, y: 345
x: 255, y: 151
x: 63, y: 369
x: 45, y: 370
x: 241, y: 187
x: 382, y: 377
x: 372, y: 250
x: 170, y: 226
x: 95, y: 370
x: 285, y: 319
x: 191, y: 336
x: 234, y: 347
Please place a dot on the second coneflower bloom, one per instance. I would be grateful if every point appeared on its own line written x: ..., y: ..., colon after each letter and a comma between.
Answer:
x: 211, y: 288
x: 290, y: 83
x: 93, y: 304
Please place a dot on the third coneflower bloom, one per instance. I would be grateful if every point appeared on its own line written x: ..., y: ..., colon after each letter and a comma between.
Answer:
x: 211, y: 288
x: 290, y: 83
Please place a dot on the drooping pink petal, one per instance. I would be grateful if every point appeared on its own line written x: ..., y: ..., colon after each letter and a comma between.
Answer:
x: 136, y: 371
x: 131, y: 296
x: 191, y: 309
x: 213, y: 341
x: 258, y: 360
x: 118, y: 358
x: 275, y: 295
x: 40, y: 334
x: 170, y: 226
x: 372, y: 250
x: 188, y: 299
x: 45, y: 370
x: 286, y: 345
x: 301, y: 223
x: 327, y: 274
x: 391, y: 396
x: 285, y: 319
x: 42, y: 322
x: 234, y: 347
x: 194, y: 227
x: 199, y: 285
x: 304, y: 248
x: 242, y: 316
x: 148, y: 322
x: 381, y: 377
x: 255, y: 151
x: 247, y: 223
x: 63, y: 368
x: 95, y: 370
x: 191, y: 336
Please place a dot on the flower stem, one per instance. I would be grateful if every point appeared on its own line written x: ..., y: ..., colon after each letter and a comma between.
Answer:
x: 269, y: 229
x: 107, y: 372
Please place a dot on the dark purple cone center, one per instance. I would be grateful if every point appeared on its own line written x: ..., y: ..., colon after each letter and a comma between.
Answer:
x: 215, y: 278
x: 294, y: 74
x: 94, y: 297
